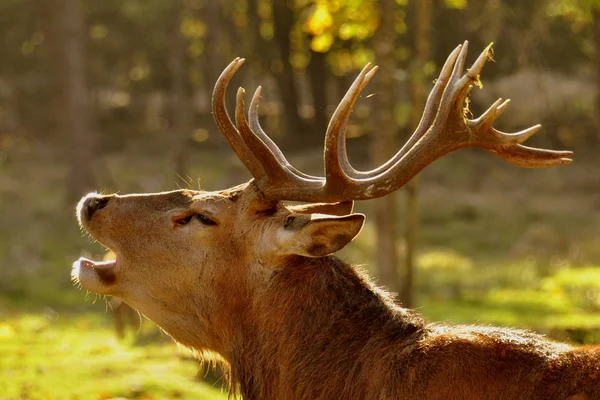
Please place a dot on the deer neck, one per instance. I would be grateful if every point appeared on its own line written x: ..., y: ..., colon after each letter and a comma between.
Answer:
x: 317, y: 317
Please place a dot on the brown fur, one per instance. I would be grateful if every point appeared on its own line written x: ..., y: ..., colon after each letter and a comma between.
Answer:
x: 292, y: 324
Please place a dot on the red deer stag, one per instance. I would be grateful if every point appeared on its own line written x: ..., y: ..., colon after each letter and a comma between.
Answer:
x: 238, y: 273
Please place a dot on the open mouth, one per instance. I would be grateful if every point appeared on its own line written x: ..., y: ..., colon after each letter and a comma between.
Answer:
x: 96, y: 276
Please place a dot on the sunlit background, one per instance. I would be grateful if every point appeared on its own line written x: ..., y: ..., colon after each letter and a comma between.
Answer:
x: 114, y: 95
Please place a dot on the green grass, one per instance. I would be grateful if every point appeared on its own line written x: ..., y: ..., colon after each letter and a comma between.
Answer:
x: 78, y: 357
x: 563, y: 305
x: 518, y: 314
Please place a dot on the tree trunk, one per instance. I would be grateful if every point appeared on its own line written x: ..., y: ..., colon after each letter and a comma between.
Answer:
x: 284, y: 21
x: 264, y: 49
x: 214, y: 59
x: 75, y: 120
x: 317, y: 71
x: 383, y: 144
x: 418, y: 92
x: 181, y: 105
x: 597, y: 47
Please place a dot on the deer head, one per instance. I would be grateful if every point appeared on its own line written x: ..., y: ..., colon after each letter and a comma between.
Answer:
x: 196, y: 262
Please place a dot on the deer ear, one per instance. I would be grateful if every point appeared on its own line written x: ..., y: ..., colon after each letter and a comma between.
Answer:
x: 317, y: 235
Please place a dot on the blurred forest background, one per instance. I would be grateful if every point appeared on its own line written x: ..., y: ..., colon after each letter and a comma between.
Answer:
x: 115, y: 96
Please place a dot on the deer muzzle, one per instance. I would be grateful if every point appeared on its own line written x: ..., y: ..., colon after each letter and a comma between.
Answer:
x: 95, y: 276
x: 90, y: 204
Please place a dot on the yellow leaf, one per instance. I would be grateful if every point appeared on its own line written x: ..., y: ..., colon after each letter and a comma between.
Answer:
x: 346, y: 31
x: 319, y: 21
x: 322, y: 43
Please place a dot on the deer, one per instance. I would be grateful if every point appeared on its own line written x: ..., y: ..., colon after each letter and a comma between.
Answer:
x: 245, y: 277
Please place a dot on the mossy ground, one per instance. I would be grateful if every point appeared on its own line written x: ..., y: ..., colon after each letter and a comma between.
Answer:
x: 50, y: 356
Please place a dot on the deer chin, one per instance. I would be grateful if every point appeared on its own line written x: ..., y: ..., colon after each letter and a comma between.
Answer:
x: 95, y: 276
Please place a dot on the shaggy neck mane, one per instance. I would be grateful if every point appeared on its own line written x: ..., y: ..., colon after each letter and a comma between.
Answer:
x: 316, y: 318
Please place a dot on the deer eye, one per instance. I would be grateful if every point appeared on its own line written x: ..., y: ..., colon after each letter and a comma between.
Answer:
x: 187, y: 219
x: 205, y: 220
x: 184, y: 221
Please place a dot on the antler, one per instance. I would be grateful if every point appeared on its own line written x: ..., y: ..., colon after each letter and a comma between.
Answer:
x: 442, y: 129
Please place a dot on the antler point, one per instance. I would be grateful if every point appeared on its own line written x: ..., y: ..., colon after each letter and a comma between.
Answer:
x: 502, y: 106
x: 370, y: 74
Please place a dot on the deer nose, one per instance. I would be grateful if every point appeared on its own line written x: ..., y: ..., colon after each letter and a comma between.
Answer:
x: 94, y: 204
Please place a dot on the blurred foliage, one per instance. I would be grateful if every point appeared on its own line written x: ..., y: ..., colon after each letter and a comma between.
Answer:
x: 581, y: 286
x: 578, y: 12
x: 446, y: 275
x: 442, y: 274
x: 346, y: 21
x: 128, y: 49
x: 458, y: 4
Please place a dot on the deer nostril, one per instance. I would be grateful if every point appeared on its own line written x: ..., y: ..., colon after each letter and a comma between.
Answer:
x: 96, y: 203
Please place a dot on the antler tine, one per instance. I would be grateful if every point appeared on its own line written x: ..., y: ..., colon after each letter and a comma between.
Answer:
x: 266, y: 140
x: 262, y: 153
x: 530, y: 157
x: 427, y: 119
x: 450, y: 130
x: 507, y: 145
x: 484, y: 122
x: 274, y: 179
x: 274, y: 169
x: 224, y: 123
x: 431, y: 105
x: 337, y: 166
